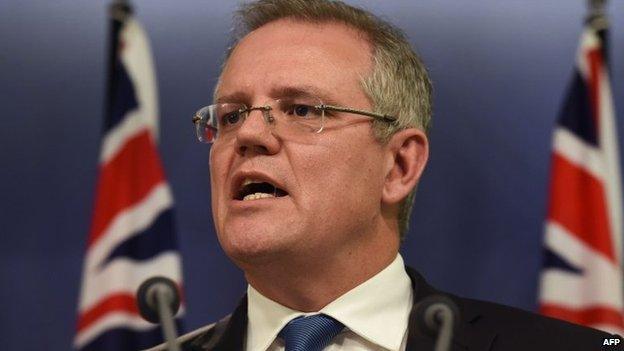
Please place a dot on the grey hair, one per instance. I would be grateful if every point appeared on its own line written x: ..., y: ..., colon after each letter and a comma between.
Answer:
x: 398, y: 84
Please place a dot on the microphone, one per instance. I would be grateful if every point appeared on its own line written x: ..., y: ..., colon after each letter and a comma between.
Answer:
x: 158, y: 301
x: 437, y: 316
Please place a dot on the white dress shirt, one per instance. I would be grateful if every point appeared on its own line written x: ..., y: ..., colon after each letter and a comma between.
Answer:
x: 375, y: 314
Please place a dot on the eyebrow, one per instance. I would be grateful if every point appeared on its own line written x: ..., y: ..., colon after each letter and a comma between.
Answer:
x: 238, y: 96
x: 280, y: 92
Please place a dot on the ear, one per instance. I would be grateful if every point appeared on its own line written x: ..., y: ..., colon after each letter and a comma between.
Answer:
x: 407, y: 154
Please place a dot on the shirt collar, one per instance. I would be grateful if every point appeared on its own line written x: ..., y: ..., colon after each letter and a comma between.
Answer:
x: 266, y: 319
x: 377, y: 310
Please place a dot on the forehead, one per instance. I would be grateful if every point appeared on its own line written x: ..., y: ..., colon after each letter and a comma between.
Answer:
x: 329, y: 57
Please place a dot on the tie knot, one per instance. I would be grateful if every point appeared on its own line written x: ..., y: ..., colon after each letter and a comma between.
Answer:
x: 310, y: 333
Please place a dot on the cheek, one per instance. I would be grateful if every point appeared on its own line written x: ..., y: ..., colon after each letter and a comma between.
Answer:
x: 345, y: 179
x: 218, y: 166
x: 215, y: 177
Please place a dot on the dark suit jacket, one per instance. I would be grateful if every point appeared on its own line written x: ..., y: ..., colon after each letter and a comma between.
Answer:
x: 483, y: 326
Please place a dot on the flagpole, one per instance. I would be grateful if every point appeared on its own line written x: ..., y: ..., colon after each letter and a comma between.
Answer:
x: 596, y: 15
x: 120, y: 9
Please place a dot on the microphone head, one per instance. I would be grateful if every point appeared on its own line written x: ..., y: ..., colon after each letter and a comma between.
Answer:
x: 430, y: 312
x: 147, y: 293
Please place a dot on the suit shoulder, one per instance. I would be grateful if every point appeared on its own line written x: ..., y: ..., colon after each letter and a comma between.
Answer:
x: 507, y: 317
x: 515, y: 327
x: 198, y: 338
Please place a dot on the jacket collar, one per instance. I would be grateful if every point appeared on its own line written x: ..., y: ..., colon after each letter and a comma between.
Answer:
x: 469, y: 336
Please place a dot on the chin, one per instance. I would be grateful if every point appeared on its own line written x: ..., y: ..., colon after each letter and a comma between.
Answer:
x: 246, y: 245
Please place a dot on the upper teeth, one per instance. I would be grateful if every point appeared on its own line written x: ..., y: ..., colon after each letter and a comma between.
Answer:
x: 248, y: 181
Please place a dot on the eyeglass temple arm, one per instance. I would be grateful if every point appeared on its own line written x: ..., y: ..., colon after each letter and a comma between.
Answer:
x: 386, y: 118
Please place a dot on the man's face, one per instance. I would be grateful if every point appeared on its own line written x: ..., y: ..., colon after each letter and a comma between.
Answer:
x: 333, y: 179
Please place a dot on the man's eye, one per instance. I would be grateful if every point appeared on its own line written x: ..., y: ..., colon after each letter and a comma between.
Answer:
x: 231, y: 118
x: 303, y: 111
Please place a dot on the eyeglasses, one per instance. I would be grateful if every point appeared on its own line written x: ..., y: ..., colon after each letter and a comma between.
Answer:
x: 289, y: 117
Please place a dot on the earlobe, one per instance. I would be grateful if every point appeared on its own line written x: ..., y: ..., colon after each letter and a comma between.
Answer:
x: 408, y: 152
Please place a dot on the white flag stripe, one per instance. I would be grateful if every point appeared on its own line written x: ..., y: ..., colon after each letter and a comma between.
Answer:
x: 128, y: 223
x: 111, y: 321
x: 589, y: 41
x: 133, y: 123
x: 578, y: 152
x: 609, y: 145
x: 570, y: 248
x: 578, y: 290
x: 573, y: 291
x: 136, y: 57
x: 124, y: 275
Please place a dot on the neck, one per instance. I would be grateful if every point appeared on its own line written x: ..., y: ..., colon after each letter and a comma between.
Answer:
x: 308, y: 283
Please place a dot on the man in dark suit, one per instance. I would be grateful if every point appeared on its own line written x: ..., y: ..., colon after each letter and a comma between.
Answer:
x: 318, y: 133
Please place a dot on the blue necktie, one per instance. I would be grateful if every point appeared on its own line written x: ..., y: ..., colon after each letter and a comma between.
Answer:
x: 310, y: 333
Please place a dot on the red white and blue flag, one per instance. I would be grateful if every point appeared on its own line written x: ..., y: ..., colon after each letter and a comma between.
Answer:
x: 581, y: 280
x: 132, y: 233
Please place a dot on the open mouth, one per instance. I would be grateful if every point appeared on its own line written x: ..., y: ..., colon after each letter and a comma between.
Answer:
x: 255, y: 190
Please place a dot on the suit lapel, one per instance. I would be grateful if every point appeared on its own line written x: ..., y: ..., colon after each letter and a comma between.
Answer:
x: 230, y: 336
x: 234, y: 336
x: 468, y: 336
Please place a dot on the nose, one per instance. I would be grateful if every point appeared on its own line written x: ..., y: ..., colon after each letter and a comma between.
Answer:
x: 255, y: 136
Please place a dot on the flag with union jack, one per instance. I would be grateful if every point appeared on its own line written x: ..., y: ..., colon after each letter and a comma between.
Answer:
x: 581, y: 280
x: 132, y: 233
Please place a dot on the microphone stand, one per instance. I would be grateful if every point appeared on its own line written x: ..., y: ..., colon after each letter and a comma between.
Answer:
x: 443, y: 316
x: 162, y: 295
x: 158, y: 300
x: 436, y: 316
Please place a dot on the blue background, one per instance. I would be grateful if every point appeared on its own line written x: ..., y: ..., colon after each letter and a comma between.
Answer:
x: 500, y: 69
